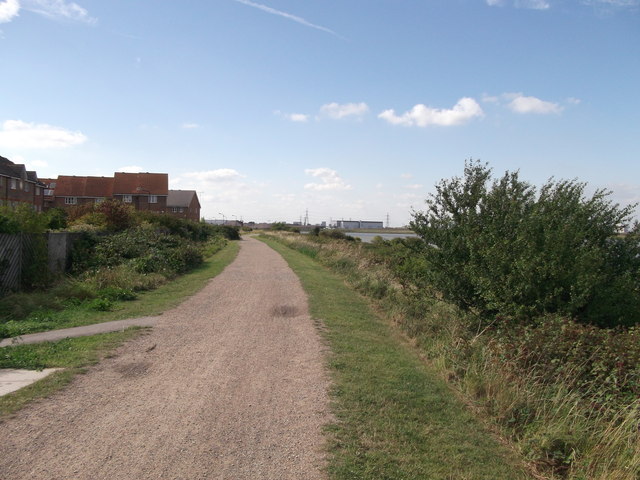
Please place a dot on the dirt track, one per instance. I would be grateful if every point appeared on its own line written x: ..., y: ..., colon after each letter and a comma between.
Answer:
x: 229, y: 385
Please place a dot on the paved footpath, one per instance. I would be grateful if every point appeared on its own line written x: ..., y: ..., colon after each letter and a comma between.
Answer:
x: 229, y: 385
x: 84, y: 331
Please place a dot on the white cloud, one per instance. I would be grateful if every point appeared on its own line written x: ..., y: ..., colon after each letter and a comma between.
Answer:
x: 293, y: 117
x: 286, y: 197
x: 521, y: 104
x: 625, y: 193
x: 329, y: 178
x: 19, y: 134
x: 533, y: 4
x: 190, y: 126
x: 422, y: 116
x: 215, y: 176
x: 36, y: 164
x: 9, y: 10
x: 131, y: 169
x: 223, y: 190
x: 574, y: 101
x: 298, y: 117
x: 59, y: 10
x: 338, y: 111
x: 613, y: 3
x: 486, y: 98
x: 286, y: 15
x: 415, y: 186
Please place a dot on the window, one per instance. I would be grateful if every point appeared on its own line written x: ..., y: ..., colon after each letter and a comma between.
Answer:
x: 48, y: 192
x: 26, y: 187
x: 37, y: 190
x: 14, y: 184
x: 177, y: 209
x: 70, y: 200
x: 127, y: 199
x: 153, y: 199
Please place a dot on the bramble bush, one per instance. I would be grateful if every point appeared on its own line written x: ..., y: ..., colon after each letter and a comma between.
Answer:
x: 502, y: 249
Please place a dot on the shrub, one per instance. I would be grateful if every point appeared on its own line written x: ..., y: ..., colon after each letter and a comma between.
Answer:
x: 101, y: 305
x: 115, y: 294
x: 336, y: 235
x: 502, y: 248
x: 57, y: 219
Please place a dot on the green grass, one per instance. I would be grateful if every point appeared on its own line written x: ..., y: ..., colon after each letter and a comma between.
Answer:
x: 395, y: 417
x: 148, y: 303
x: 71, y: 354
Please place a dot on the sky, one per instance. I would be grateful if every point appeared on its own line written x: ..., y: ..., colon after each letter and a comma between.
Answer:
x: 286, y: 110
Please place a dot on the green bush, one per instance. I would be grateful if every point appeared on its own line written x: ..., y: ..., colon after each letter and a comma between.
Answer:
x: 101, y: 305
x: 336, y: 235
x: 56, y: 218
x: 115, y: 294
x: 502, y: 248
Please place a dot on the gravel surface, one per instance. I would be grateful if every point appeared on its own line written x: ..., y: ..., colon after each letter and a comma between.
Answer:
x: 229, y: 385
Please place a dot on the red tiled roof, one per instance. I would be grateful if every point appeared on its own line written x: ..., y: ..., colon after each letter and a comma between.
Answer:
x: 140, y: 183
x: 95, y: 187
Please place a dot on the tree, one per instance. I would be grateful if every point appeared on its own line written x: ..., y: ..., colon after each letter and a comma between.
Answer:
x: 500, y: 247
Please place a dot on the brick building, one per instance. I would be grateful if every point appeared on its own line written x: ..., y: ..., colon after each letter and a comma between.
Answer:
x: 19, y: 186
x: 184, y: 204
x: 143, y: 191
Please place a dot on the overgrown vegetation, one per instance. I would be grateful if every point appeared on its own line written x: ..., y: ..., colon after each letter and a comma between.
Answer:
x: 500, y: 248
x: 561, y: 386
x: 120, y: 254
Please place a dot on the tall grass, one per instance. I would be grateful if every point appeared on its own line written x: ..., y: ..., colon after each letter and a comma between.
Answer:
x: 570, y: 406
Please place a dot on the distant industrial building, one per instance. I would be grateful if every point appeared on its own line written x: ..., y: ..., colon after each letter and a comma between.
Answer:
x: 357, y: 224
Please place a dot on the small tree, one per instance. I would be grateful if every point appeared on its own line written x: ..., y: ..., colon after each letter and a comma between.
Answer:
x: 500, y: 248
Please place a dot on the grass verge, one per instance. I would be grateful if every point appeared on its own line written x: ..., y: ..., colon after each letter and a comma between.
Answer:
x: 152, y: 302
x: 71, y: 354
x: 396, y: 419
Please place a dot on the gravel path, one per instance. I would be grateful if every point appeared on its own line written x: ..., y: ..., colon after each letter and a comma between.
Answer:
x: 229, y: 385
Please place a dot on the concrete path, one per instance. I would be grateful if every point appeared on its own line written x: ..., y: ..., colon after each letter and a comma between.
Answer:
x: 229, y: 385
x: 12, y: 380
x: 84, y: 331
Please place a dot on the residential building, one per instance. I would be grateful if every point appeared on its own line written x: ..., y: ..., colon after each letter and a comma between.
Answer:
x: 70, y: 190
x: 184, y: 204
x: 19, y: 186
x: 143, y: 191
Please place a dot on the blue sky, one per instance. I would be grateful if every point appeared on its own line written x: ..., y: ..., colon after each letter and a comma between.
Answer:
x: 342, y: 108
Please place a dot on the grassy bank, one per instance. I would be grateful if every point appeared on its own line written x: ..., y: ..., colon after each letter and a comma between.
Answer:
x: 396, y: 418
x: 562, y: 393
x: 86, y: 312
x: 73, y: 355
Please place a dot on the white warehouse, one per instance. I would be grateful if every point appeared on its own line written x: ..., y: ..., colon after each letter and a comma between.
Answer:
x: 356, y: 224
